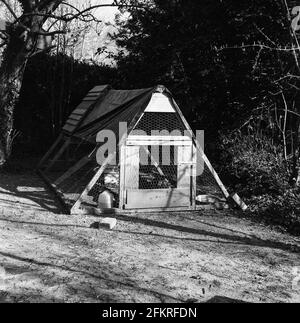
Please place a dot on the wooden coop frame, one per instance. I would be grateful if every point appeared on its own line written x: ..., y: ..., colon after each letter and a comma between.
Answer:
x: 103, y: 108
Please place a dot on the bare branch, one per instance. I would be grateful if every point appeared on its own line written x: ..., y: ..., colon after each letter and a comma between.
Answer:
x: 284, y: 125
x: 294, y: 36
x: 87, y: 17
x: 293, y: 86
x: 268, y: 38
x: 9, y: 9
x: 256, y: 60
x: 70, y: 16
x: 262, y: 46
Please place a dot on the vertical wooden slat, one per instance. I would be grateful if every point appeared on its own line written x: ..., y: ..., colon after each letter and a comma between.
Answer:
x: 184, y: 166
x: 132, y: 167
x: 194, y: 177
x: 122, y: 159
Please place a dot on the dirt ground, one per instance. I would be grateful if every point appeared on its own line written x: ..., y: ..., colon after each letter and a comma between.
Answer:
x: 46, y: 256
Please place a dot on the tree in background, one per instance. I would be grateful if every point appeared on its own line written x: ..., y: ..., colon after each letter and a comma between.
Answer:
x: 31, y: 31
x: 173, y: 43
x: 236, y: 61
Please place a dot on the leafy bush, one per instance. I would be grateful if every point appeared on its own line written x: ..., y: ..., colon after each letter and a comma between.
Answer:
x: 283, y: 210
x: 253, y: 166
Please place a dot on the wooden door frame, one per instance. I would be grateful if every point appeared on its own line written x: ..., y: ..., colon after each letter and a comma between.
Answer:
x: 157, y: 141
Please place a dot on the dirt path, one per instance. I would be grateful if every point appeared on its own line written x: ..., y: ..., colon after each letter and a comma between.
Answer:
x: 50, y: 257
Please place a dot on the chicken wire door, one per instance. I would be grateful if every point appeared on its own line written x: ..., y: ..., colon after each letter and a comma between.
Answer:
x: 158, y: 175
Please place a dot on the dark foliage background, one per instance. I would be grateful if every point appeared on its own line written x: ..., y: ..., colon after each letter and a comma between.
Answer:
x: 186, y: 45
x: 53, y: 86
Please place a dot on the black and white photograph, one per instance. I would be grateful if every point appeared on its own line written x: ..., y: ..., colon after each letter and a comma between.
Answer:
x: 149, y: 154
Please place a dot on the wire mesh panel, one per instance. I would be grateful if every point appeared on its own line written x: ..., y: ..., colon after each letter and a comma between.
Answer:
x: 207, y: 185
x: 70, y: 169
x: 160, y: 121
x: 152, y: 177
x: 158, y: 169
x: 73, y: 186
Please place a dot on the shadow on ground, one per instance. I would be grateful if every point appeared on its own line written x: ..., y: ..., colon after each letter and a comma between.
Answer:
x: 113, y: 282
x: 236, y: 237
x: 224, y: 300
x: 26, y: 191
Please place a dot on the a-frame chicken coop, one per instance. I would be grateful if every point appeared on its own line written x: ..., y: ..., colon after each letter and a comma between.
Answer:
x: 156, y: 165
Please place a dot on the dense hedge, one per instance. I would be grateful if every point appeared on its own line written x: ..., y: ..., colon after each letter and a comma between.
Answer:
x: 255, y: 168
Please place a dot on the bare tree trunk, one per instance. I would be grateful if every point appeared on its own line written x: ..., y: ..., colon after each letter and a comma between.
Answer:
x: 26, y: 37
x: 9, y: 92
x: 11, y: 74
x: 283, y: 128
x: 296, y: 157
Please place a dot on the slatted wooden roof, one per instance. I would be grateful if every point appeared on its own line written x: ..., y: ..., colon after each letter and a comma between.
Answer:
x: 80, y: 113
x: 104, y: 107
